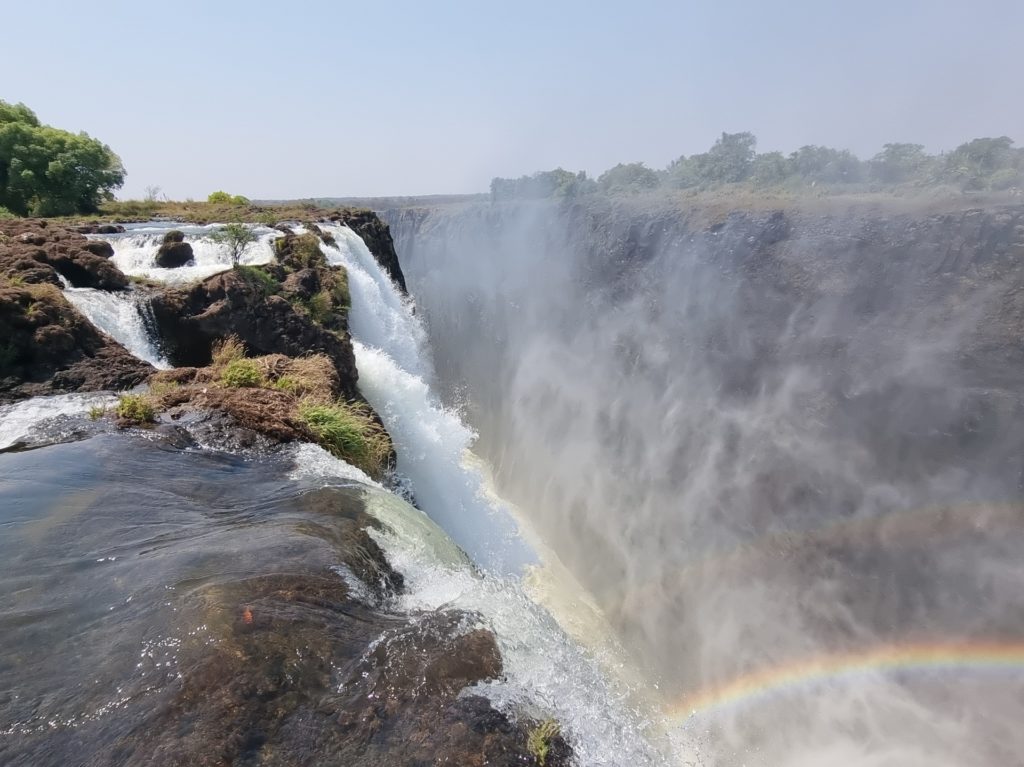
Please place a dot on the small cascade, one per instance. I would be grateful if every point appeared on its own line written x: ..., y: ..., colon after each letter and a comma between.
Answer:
x: 21, y: 421
x: 135, y: 251
x: 122, y: 316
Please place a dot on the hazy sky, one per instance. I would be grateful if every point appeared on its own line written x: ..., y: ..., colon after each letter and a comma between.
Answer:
x: 377, y: 98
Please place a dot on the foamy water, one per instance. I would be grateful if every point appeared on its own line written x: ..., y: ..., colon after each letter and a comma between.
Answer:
x: 135, y: 251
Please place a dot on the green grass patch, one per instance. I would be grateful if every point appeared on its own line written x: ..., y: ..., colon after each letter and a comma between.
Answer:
x: 348, y: 430
x: 319, y: 307
x: 538, y: 742
x: 96, y: 412
x: 288, y: 384
x: 136, y: 408
x: 258, y: 278
x: 241, y: 374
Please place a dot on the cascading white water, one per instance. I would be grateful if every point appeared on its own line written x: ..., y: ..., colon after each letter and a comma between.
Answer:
x: 119, y: 315
x: 135, y: 251
x: 545, y: 670
x: 431, y: 441
x: 18, y: 422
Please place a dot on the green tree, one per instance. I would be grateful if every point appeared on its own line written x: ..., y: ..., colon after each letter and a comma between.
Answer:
x: 974, y: 163
x: 770, y: 168
x: 49, y: 172
x: 236, y: 237
x: 628, y: 178
x: 729, y: 160
x: 900, y: 163
x: 824, y: 164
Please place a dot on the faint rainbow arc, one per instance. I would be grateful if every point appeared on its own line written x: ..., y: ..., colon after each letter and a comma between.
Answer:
x: 906, y: 657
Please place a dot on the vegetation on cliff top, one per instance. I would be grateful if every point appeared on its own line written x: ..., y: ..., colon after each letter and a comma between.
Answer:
x: 46, y: 171
x: 282, y: 397
x: 991, y: 164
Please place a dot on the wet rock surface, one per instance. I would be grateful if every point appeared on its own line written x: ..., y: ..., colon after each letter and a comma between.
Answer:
x: 47, y: 347
x: 247, y: 622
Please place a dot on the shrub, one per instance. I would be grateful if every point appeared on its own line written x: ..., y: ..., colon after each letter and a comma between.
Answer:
x: 136, y: 408
x: 242, y: 373
x: 237, y: 237
x: 96, y: 412
x: 349, y: 431
x: 222, y: 198
x: 5, y: 214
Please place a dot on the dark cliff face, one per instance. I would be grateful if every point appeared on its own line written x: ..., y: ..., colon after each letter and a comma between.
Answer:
x: 377, y: 236
x: 718, y: 418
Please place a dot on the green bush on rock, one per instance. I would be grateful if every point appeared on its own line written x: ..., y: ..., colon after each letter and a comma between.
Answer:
x: 135, y: 408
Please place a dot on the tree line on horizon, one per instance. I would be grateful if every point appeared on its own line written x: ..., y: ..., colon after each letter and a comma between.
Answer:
x: 980, y: 164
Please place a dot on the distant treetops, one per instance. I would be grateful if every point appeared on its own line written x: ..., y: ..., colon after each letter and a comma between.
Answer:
x: 980, y: 164
x: 223, y: 198
x: 45, y: 171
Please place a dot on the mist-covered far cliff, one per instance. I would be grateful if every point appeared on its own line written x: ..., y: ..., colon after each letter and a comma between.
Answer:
x: 758, y: 437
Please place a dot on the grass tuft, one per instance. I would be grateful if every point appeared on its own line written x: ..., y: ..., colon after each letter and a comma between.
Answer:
x: 241, y: 374
x: 259, y: 278
x: 538, y: 742
x: 349, y: 431
x: 135, y: 408
x: 227, y: 350
x: 96, y: 412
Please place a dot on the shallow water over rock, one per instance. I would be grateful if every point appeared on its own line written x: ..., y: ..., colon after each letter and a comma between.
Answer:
x: 169, y: 606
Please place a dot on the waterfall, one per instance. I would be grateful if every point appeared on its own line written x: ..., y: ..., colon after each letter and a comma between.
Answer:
x: 431, y: 441
x: 120, y: 316
x: 546, y: 671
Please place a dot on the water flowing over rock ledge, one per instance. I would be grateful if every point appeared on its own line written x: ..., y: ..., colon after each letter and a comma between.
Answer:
x: 305, y: 657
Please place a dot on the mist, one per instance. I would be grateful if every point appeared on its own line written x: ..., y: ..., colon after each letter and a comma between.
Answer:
x: 758, y: 440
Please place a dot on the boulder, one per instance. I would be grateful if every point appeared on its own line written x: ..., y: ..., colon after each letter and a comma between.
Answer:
x: 84, y: 269
x: 174, y: 251
x: 100, y: 248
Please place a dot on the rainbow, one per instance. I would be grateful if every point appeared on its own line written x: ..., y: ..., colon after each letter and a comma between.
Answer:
x: 976, y: 656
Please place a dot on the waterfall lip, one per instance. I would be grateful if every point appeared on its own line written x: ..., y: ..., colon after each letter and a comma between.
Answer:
x: 121, y: 316
x: 135, y: 250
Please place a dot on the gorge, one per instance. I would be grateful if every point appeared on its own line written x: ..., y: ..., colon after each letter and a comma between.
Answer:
x: 653, y: 484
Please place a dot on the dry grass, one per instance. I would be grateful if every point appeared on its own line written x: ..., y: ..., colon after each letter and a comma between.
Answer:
x: 282, y: 397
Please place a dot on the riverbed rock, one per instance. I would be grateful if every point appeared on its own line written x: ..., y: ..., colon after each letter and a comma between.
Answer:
x: 100, y: 248
x: 60, y: 251
x: 174, y: 251
x: 47, y: 347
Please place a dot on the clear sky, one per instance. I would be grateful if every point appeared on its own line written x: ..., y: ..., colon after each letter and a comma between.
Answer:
x: 310, y: 99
